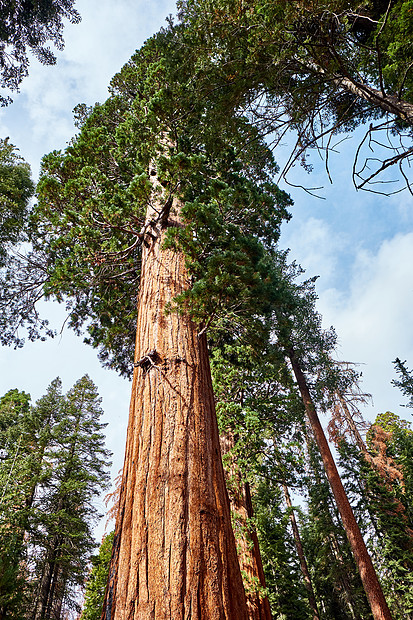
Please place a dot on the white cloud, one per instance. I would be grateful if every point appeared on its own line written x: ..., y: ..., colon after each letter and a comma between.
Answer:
x: 40, y: 120
x: 373, y: 321
x: 315, y: 246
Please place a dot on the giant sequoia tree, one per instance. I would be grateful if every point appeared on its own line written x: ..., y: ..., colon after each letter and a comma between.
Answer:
x: 150, y: 198
x: 166, y: 193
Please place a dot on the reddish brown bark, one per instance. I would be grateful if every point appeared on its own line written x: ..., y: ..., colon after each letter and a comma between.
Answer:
x: 249, y: 555
x: 301, y: 555
x: 368, y: 575
x: 174, y: 551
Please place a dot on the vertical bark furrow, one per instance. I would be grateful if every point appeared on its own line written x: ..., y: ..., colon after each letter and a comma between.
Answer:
x: 177, y: 556
x: 246, y: 537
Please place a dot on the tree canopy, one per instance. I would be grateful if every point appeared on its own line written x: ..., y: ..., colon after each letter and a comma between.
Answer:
x: 317, y: 69
x: 53, y: 465
x: 88, y: 226
x: 16, y: 189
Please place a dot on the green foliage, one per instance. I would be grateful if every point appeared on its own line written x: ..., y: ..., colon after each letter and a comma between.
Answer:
x: 15, y: 489
x: 65, y: 511
x: 396, y: 42
x: 404, y: 381
x: 87, y: 228
x: 382, y: 508
x: 16, y: 189
x: 96, y: 585
x: 258, y: 401
x: 232, y: 225
x: 53, y: 464
x: 403, y: 450
x: 29, y: 26
x: 390, y: 422
x: 258, y: 405
x: 314, y: 68
x: 378, y: 483
x: 282, y: 573
x: 334, y: 575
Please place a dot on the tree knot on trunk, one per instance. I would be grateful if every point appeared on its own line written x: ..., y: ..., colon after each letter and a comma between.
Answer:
x: 150, y: 360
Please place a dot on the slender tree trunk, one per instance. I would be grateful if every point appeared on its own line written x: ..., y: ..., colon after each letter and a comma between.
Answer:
x: 174, y: 554
x: 249, y: 555
x: 359, y: 442
x: 59, y: 593
x: 52, y: 594
x: 300, y: 552
x: 346, y: 588
x: 358, y: 439
x: 368, y: 575
x: 44, y: 592
x: 45, y: 598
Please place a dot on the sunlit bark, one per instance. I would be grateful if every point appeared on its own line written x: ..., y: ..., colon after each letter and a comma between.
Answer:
x: 246, y: 537
x: 174, y: 553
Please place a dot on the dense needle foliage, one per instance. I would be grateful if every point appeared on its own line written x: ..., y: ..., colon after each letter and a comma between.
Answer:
x: 316, y: 68
x: 16, y: 189
x: 96, y: 585
x: 88, y: 227
x: 53, y: 464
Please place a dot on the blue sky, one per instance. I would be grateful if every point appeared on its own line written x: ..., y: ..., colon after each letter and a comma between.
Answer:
x: 360, y: 244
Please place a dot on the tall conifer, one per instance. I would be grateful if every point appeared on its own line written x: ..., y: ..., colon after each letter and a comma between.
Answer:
x: 66, y: 512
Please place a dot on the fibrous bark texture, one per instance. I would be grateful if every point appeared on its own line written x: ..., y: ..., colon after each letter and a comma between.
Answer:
x: 249, y: 555
x: 174, y: 554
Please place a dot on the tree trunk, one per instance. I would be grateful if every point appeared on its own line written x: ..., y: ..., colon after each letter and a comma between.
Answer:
x: 45, y: 594
x: 301, y: 556
x: 174, y: 554
x: 249, y: 555
x: 358, y: 439
x: 51, y: 602
x: 388, y: 103
x: 368, y: 575
x: 59, y: 593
